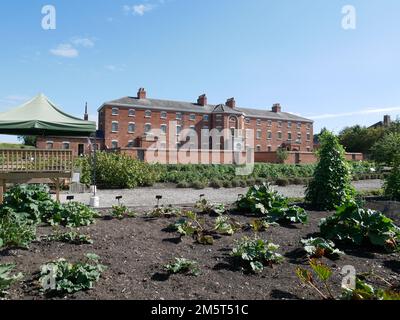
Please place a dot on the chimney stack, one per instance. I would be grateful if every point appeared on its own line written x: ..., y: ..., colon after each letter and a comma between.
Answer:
x: 142, y: 94
x: 202, y: 100
x: 86, y: 115
x: 276, y: 108
x: 386, y: 120
x: 231, y: 103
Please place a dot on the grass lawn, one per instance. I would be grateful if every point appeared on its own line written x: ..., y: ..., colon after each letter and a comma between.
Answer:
x: 14, y: 146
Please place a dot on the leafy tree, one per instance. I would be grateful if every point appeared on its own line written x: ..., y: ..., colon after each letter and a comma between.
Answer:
x: 331, y: 183
x: 392, y: 182
x: 387, y: 149
x: 360, y: 139
x: 28, y: 140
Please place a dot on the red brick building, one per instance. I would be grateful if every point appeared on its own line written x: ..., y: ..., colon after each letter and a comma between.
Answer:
x: 140, y: 122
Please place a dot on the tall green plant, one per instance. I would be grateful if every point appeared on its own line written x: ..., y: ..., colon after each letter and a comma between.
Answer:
x: 331, y: 183
x: 392, y: 183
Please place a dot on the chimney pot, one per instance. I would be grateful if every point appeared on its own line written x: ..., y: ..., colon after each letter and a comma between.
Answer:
x: 386, y: 120
x: 276, y: 108
x: 142, y: 94
x: 231, y: 103
x: 202, y: 100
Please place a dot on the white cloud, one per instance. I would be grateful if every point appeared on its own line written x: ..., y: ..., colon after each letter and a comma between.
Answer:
x: 115, y: 68
x: 84, y: 42
x: 354, y: 113
x: 139, y: 9
x: 65, y: 50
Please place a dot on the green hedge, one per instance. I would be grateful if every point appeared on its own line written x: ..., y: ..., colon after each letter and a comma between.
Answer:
x: 121, y: 171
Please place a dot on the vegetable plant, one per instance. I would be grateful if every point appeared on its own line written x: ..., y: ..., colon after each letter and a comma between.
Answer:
x: 365, y: 291
x: 121, y: 211
x: 331, y: 182
x: 71, y: 237
x: 182, y: 265
x: 319, y: 247
x: 255, y: 253
x: 61, y: 276
x: 73, y: 214
x: 226, y: 225
x: 164, y: 212
x: 6, y: 279
x: 263, y: 200
x: 358, y: 226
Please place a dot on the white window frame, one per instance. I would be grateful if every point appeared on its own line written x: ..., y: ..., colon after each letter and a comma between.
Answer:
x: 289, y: 124
x: 259, y: 134
x: 166, y: 129
x: 192, y: 117
x: 280, y: 123
x: 130, y: 113
x: 179, y: 116
x: 279, y: 135
x: 258, y: 122
x: 112, y: 126
x: 112, y: 142
x: 68, y: 143
x: 163, y: 114
x: 178, y: 132
x: 291, y: 136
x: 308, y: 136
x: 269, y: 135
x: 146, y: 114
x: 134, y: 124
x: 269, y: 123
x: 52, y: 145
x: 115, y: 109
x: 147, y: 132
x: 258, y: 148
x: 131, y: 142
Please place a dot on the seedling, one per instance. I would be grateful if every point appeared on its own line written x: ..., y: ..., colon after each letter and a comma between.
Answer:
x: 182, y: 265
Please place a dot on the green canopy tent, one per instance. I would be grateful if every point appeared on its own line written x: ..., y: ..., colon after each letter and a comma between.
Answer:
x: 40, y: 116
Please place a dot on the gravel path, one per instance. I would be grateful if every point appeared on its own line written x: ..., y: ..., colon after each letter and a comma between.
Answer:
x: 145, y: 197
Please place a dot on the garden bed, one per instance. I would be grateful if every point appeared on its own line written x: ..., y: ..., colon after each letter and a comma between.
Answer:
x: 135, y: 249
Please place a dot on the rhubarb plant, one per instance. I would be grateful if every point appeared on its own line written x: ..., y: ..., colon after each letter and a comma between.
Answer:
x: 121, y: 211
x: 226, y: 225
x: 356, y: 225
x: 61, y: 276
x: 256, y: 253
x: 320, y: 247
x: 263, y: 200
x: 72, y: 237
x: 164, y: 212
x: 184, y: 266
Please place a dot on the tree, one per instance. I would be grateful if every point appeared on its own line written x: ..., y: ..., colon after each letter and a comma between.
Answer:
x: 387, y: 149
x: 392, y: 182
x: 360, y: 139
x: 28, y: 140
x: 331, y: 183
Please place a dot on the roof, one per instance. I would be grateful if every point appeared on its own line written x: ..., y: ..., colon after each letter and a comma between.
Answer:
x: 40, y: 116
x: 170, y: 105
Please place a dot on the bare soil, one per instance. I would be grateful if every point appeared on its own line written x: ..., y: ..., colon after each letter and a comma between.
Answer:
x: 135, y: 249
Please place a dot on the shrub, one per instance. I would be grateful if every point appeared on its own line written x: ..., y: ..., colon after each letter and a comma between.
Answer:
x: 392, y: 183
x: 250, y: 182
x: 216, y: 184
x: 263, y: 200
x: 182, y: 185
x: 331, y: 183
x: 255, y: 253
x: 386, y: 150
x: 227, y: 184
x: 61, y: 276
x: 182, y: 265
x: 356, y: 225
x: 259, y: 181
x: 198, y: 185
x: 72, y: 214
x: 235, y: 183
x: 15, y: 231
x: 6, y: 279
x: 282, y: 155
x: 282, y: 182
x: 243, y: 183
x: 298, y: 181
x: 119, y: 171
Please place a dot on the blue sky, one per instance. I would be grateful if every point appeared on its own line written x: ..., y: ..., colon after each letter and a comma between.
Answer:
x: 261, y: 51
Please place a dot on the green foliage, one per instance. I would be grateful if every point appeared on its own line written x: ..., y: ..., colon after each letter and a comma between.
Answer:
x: 72, y: 214
x: 259, y: 225
x: 64, y: 277
x: 357, y: 225
x: 164, y: 212
x: 28, y: 140
x: 226, y: 225
x: 6, y: 279
x: 331, y: 183
x: 119, y: 171
x: 206, y: 207
x: 182, y: 265
x: 14, y: 230
x: 360, y: 139
x: 30, y: 202
x: 256, y: 253
x: 387, y: 149
x: 392, y: 183
x: 323, y: 273
x: 121, y: 211
x: 364, y: 291
x: 263, y: 200
x: 319, y: 247
x: 192, y: 225
x: 282, y: 155
x: 71, y: 237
